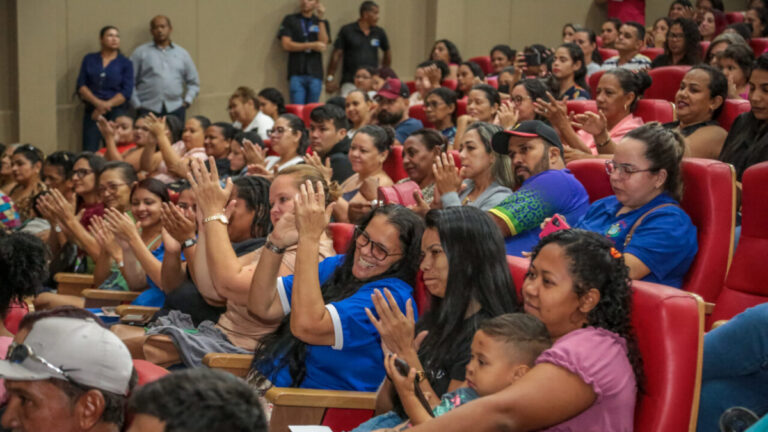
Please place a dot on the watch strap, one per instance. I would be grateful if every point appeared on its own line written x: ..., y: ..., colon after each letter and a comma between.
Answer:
x: 188, y: 243
x: 274, y: 248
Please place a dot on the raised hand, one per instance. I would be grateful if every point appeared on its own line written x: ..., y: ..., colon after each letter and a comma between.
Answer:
x: 121, y: 224
x: 105, y: 238
x: 314, y: 160
x: 590, y: 122
x: 508, y: 115
x: 211, y: 197
x: 312, y: 215
x: 553, y: 110
x: 396, y: 329
x: 156, y: 125
x: 106, y: 127
x: 447, y: 179
x: 177, y: 225
x: 253, y: 153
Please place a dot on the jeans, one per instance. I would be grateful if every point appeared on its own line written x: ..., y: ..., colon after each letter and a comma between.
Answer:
x: 735, y: 370
x: 305, y: 89
x: 181, y: 113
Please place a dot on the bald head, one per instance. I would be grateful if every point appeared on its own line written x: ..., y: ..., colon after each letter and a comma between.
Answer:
x: 160, y: 27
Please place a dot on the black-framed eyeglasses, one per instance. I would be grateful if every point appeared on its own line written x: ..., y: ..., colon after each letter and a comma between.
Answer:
x: 378, y: 250
x: 82, y: 172
x: 278, y: 130
x: 623, y: 170
x: 19, y: 352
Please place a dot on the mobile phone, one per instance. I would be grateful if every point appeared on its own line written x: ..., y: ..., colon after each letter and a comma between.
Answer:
x: 402, y: 367
x: 533, y: 59
x: 557, y: 223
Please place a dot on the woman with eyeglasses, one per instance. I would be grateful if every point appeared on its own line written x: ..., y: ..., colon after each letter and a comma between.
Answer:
x: 643, y: 218
x: 467, y: 277
x: 325, y: 339
x: 290, y: 140
x: 440, y: 110
x: 681, y: 46
x: 27, y: 164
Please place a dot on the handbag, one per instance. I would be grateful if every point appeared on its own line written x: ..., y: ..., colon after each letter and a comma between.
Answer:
x: 401, y: 193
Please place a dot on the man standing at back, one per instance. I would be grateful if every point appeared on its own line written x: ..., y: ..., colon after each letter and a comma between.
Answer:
x: 163, y: 70
x: 305, y: 36
x: 358, y: 44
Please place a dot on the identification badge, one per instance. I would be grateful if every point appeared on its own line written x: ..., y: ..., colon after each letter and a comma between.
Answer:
x: 374, y: 42
x: 314, y: 28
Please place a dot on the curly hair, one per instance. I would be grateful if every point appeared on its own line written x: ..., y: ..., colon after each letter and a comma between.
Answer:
x: 591, y: 265
x: 23, y: 267
x: 691, y: 38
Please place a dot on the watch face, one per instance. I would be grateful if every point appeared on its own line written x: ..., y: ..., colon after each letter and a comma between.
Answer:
x: 224, y: 219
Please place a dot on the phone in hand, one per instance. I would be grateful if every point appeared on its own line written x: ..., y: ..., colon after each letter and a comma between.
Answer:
x: 557, y: 223
x: 533, y: 59
x: 402, y: 367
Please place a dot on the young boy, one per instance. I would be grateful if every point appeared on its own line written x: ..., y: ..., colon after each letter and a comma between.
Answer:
x: 504, y: 348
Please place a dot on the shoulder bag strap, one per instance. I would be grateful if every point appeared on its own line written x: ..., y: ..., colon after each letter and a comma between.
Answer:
x: 639, y: 220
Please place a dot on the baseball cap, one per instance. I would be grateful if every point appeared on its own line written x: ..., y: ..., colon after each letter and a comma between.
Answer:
x: 529, y: 129
x: 73, y: 349
x: 394, y: 88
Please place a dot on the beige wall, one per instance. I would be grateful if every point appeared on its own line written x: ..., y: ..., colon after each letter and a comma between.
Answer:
x: 233, y: 43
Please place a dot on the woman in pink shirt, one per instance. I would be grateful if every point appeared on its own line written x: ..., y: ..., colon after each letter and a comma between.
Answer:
x: 578, y: 286
x: 617, y: 94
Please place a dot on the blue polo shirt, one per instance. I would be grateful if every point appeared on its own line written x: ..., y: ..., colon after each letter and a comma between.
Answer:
x: 541, y: 196
x: 106, y: 82
x: 665, y: 241
x: 355, y: 360
x: 406, y: 128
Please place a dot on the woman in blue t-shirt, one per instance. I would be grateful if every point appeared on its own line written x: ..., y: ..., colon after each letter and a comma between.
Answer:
x: 325, y: 339
x: 646, y: 178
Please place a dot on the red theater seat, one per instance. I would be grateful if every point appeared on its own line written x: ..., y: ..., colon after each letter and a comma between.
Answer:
x: 417, y: 112
x: 393, y: 166
x: 341, y: 234
x: 411, y: 86
x: 652, y: 53
x: 732, y: 109
x: 484, y: 62
x: 461, y: 106
x: 655, y: 110
x: 591, y: 173
x: 593, y: 80
x: 704, y: 45
x: 450, y: 84
x: 666, y: 82
x: 295, y: 109
x: 493, y: 82
x: 734, y: 17
x: 759, y: 45
x: 607, y: 53
x: 747, y: 282
x: 308, y: 110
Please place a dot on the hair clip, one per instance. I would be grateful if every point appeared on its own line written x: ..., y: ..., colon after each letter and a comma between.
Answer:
x: 615, y: 253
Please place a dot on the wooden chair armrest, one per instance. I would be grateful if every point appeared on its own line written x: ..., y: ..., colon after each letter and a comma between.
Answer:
x: 717, y: 324
x: 72, y: 283
x: 708, y: 308
x: 236, y: 364
x: 128, y: 309
x: 281, y: 396
x: 121, y: 296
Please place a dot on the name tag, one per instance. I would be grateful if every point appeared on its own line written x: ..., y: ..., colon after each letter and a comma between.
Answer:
x: 374, y: 42
x: 314, y: 29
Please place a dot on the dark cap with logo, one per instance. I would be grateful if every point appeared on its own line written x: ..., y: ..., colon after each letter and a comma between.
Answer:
x: 526, y: 129
x: 393, y: 89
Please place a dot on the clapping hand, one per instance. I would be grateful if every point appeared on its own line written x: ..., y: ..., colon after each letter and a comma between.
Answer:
x: 447, y: 179
x: 254, y: 154
x: 312, y: 215
x: 315, y: 160
x: 211, y: 197
x: 590, y: 122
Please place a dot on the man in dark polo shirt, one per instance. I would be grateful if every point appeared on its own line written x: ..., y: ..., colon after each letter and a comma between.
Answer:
x: 358, y: 43
x: 305, y: 36
x: 328, y: 138
x: 392, y: 110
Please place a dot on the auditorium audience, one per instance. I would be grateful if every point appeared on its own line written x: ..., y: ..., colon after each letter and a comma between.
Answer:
x: 238, y: 159
x: 617, y: 94
x: 166, y: 80
x: 26, y: 166
x: 305, y: 36
x: 747, y: 143
x: 577, y: 286
x: 446, y: 51
x: 419, y: 153
x: 569, y: 70
x: 644, y: 219
x: 524, y: 94
x: 681, y: 9
x: 358, y: 44
x: 609, y: 32
x: 743, y: 29
x: 568, y: 31
x: 392, y: 110
x: 487, y: 176
x: 368, y: 150
x: 712, y: 22
x: 359, y: 108
x: 429, y: 75
x: 329, y: 142
x: 169, y: 162
x: 736, y: 63
x: 105, y: 82
x: 468, y: 282
x: 124, y: 135
x: 629, y: 43
x: 364, y: 80
x: 197, y: 400
x: 324, y: 323
x: 58, y: 174
x: 483, y: 103
x: 699, y: 102
x: 720, y: 43
x: 290, y: 140
x: 681, y: 46
x: 271, y: 104
x: 546, y: 186
x: 757, y: 17
x: 112, y: 147
x: 243, y: 109
x: 217, y: 142
x: 440, y: 111
x: 470, y: 74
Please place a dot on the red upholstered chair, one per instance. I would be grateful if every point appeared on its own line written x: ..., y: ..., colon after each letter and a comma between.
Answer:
x: 341, y: 234
x: 16, y: 311
x: 734, y: 17
x: 747, y: 282
x: 308, y: 110
x: 461, y: 106
x: 666, y: 82
x: 655, y: 110
x: 148, y: 371
x: 668, y: 324
x: 581, y: 106
x: 732, y: 109
x: 652, y: 53
x: 295, y: 109
x: 411, y: 86
x: 704, y: 45
x: 709, y: 198
x: 493, y: 81
x: 450, y: 83
x: 593, y: 80
x: 393, y: 166
x: 759, y: 45
x: 484, y: 62
x: 417, y: 112
x: 456, y: 157
x: 591, y: 173
x: 607, y: 53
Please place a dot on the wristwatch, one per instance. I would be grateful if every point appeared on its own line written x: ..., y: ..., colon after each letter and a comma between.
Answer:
x: 221, y: 217
x: 274, y: 248
x: 329, y: 78
x: 188, y: 242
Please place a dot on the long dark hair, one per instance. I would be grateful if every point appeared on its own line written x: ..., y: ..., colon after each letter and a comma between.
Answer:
x: 577, y: 55
x: 536, y: 90
x: 288, y: 350
x: 298, y: 126
x: 592, y: 39
x: 477, y: 273
x: 691, y: 36
x: 591, y: 265
x: 273, y: 95
x: 453, y: 52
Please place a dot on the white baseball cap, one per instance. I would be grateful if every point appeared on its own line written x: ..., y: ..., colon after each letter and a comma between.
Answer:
x: 71, y: 349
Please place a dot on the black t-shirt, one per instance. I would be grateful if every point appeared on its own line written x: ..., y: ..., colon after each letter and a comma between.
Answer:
x: 359, y: 49
x: 746, y: 144
x: 302, y: 29
x: 342, y: 169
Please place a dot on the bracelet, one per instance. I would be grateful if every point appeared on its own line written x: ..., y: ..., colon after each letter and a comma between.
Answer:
x: 603, y: 144
x: 274, y: 248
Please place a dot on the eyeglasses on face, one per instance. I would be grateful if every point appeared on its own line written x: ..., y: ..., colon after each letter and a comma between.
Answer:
x: 111, y: 187
x: 378, y: 250
x: 277, y: 131
x: 623, y: 170
x: 82, y: 172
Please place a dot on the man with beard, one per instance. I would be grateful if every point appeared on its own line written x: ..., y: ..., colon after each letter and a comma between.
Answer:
x: 392, y: 102
x: 547, y: 187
